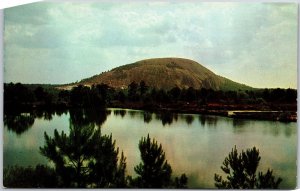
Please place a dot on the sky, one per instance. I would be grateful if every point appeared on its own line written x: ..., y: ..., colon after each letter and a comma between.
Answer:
x: 63, y: 42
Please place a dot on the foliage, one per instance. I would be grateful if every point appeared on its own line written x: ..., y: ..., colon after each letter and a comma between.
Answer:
x: 17, y: 93
x: 84, y: 157
x: 154, y: 171
x: 20, y: 96
x: 28, y: 177
x: 42, y: 96
x: 241, y: 172
x: 132, y: 91
x: 143, y: 87
x: 105, y: 170
x: 181, y: 182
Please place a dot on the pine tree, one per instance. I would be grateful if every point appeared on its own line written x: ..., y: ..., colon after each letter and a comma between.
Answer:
x: 105, y: 170
x: 84, y: 158
x: 154, y: 171
x: 241, y: 172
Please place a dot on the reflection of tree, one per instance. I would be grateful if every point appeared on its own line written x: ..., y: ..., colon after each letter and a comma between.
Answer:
x: 202, y: 119
x: 189, y: 119
x: 211, y: 121
x: 121, y: 112
x: 288, y: 131
x: 88, y: 116
x: 60, y: 112
x: 38, y: 114
x: 46, y: 114
x: 147, y: 117
x: 18, y: 123
x: 238, y: 122
x: 165, y: 117
x: 275, y: 130
x: 132, y: 113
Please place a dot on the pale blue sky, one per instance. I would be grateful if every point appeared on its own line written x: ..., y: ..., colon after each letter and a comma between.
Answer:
x: 52, y: 42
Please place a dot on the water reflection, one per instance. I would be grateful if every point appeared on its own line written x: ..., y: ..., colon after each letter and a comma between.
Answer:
x: 132, y: 113
x: 46, y: 114
x: 197, y: 151
x: 166, y: 117
x: 201, y: 151
x: 239, y: 123
x: 19, y: 123
x: 147, y: 117
x: 121, y: 112
x: 288, y: 131
x: 189, y: 119
x: 90, y: 116
x: 211, y: 121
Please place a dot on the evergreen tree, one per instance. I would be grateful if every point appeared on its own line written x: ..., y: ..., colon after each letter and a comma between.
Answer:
x: 84, y: 158
x: 181, y: 182
x: 132, y: 91
x: 105, y: 170
x: 241, y: 172
x: 70, y: 154
x: 154, y: 171
x: 143, y: 87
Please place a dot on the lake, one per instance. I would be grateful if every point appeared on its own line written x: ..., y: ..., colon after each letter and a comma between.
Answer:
x: 194, y: 144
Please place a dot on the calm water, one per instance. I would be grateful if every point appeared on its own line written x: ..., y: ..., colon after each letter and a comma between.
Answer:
x: 194, y: 144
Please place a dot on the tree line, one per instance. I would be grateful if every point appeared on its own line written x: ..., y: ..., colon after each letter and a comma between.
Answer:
x: 141, y: 91
x: 101, y: 96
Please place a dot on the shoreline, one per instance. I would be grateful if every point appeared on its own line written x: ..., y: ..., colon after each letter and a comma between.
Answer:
x: 231, y: 111
x: 279, y: 112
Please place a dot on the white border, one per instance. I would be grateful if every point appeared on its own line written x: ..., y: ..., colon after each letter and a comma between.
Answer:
x: 11, y: 3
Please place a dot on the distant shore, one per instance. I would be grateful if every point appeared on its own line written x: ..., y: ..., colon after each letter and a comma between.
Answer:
x: 278, y: 112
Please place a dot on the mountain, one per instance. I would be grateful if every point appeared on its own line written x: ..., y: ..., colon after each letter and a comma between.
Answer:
x: 164, y: 73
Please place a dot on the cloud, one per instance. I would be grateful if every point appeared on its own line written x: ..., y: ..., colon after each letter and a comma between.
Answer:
x: 247, y: 42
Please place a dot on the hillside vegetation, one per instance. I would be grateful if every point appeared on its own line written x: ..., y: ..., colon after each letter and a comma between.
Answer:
x: 165, y: 73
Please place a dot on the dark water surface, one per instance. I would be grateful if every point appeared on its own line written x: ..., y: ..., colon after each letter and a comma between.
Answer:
x: 194, y: 144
